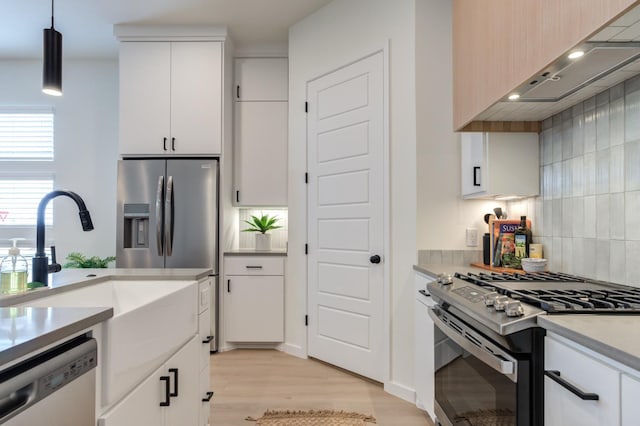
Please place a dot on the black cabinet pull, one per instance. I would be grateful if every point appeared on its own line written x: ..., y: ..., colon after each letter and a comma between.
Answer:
x: 586, y: 396
x: 254, y: 267
x: 238, y: 91
x: 228, y: 286
x: 173, y: 144
x: 208, y: 397
x: 175, y: 381
x: 237, y: 196
x: 167, y: 394
x: 476, y: 169
x: 164, y: 144
x: 208, y: 339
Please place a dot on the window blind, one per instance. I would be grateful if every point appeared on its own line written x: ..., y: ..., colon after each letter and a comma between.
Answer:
x: 19, y: 201
x: 26, y: 136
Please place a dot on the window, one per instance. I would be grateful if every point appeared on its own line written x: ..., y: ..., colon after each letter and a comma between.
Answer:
x: 26, y: 171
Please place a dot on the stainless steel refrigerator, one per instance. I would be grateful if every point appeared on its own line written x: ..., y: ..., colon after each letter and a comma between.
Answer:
x: 168, y: 217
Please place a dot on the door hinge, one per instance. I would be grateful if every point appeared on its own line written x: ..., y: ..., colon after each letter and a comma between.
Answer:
x: 306, y: 249
x: 306, y: 107
x: 306, y: 320
x: 306, y: 178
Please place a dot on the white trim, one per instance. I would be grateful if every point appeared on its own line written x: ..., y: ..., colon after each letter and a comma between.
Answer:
x: 294, y: 350
x: 137, y: 32
x: 386, y: 212
x: 401, y: 391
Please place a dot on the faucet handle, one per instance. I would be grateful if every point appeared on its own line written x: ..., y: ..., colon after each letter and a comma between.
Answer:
x: 55, y: 266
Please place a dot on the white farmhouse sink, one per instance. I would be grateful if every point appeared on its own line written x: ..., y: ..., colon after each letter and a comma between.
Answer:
x: 151, y: 320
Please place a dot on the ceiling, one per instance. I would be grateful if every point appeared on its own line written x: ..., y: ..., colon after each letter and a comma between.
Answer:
x: 87, y: 25
x: 624, y: 29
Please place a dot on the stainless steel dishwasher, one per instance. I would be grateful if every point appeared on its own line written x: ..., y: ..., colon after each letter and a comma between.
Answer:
x: 55, y: 387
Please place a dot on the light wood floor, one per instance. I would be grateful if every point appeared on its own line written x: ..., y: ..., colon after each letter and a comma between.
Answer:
x: 249, y: 382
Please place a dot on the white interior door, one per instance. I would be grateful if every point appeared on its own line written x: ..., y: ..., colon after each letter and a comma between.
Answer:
x: 345, y: 217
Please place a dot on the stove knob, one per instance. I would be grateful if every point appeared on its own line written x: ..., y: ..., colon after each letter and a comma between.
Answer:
x: 514, y: 309
x: 490, y: 298
x: 445, y: 279
x: 500, y: 303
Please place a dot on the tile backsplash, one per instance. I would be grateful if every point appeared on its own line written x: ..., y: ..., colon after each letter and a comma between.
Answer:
x: 279, y: 237
x: 588, y: 214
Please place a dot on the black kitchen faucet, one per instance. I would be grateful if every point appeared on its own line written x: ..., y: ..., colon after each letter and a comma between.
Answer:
x: 41, y: 267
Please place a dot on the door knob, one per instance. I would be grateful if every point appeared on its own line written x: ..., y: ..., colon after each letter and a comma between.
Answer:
x: 374, y: 259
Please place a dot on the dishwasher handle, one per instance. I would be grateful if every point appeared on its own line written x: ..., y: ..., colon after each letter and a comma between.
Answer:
x: 15, y: 400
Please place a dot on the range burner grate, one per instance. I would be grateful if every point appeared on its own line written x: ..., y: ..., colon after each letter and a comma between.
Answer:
x: 588, y: 297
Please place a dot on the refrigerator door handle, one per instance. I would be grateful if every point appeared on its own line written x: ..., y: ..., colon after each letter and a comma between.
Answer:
x: 160, y: 215
x: 169, y: 216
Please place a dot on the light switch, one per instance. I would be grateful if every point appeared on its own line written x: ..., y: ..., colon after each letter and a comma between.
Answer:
x: 472, y: 237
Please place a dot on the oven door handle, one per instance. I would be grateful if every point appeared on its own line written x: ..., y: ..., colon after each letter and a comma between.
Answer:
x: 498, y: 360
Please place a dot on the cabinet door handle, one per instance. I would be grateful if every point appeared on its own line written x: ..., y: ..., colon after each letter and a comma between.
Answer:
x: 167, y: 394
x: 208, y: 339
x: 254, y: 267
x: 164, y: 144
x: 476, y: 182
x: 237, y: 196
x: 228, y: 286
x: 586, y: 396
x: 173, y: 144
x: 175, y: 381
x: 238, y: 91
x: 208, y: 397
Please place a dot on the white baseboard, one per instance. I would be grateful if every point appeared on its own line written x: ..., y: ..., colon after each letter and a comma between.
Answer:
x: 401, y: 391
x: 294, y: 350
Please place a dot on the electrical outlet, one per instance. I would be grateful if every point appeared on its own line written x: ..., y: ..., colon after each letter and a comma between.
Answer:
x: 472, y: 237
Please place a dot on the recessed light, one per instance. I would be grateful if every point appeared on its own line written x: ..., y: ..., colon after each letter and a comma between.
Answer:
x: 576, y: 54
x: 513, y: 96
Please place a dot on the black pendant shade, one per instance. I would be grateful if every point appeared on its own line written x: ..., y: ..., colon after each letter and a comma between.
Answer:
x: 52, y: 63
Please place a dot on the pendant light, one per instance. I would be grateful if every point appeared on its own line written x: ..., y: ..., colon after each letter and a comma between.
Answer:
x: 52, y: 66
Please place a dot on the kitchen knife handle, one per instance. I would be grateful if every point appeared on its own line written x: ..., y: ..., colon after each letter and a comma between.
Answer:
x: 160, y: 215
x: 169, y: 216
x: 476, y: 169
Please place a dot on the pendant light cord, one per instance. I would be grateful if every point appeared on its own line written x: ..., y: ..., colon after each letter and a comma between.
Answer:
x: 51, y: 14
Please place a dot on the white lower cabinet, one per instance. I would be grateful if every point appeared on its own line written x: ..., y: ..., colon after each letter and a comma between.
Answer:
x: 253, y: 298
x: 168, y: 397
x: 205, y: 335
x: 572, y: 377
x: 630, y: 406
x: 424, y: 348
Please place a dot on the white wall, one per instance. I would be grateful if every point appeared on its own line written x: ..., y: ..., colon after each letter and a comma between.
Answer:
x: 86, y: 141
x: 339, y: 33
x: 442, y: 214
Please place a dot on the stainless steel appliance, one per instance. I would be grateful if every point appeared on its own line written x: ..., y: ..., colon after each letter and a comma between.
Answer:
x: 490, y: 369
x: 56, y: 387
x: 168, y: 217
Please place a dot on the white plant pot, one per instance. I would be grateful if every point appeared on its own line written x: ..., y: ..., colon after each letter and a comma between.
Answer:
x: 263, y: 242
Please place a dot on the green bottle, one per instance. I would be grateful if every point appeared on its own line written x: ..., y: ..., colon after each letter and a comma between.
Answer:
x: 522, y: 238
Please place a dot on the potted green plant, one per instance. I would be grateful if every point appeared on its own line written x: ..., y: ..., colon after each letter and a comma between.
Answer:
x: 78, y: 260
x: 261, y: 225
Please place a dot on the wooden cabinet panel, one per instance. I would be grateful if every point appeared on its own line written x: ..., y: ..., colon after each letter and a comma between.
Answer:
x: 499, y: 44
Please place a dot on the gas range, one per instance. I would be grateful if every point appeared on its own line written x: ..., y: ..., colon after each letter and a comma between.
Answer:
x: 506, y: 303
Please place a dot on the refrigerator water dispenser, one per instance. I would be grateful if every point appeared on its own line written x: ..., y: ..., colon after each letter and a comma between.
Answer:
x: 136, y: 226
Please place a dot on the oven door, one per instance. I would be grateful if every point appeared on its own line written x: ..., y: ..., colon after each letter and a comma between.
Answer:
x: 475, y: 379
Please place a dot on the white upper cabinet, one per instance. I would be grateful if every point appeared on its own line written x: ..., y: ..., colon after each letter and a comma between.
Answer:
x: 499, y: 165
x: 261, y: 129
x: 170, y: 98
x: 261, y: 79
